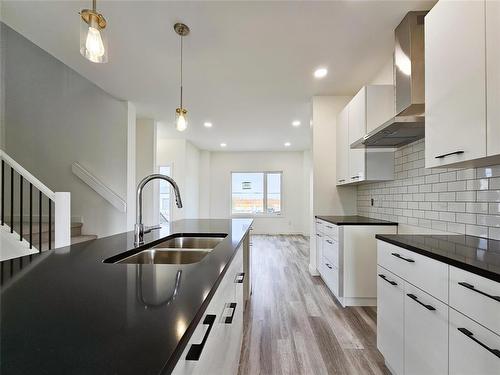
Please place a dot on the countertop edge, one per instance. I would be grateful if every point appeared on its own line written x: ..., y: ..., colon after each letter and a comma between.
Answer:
x: 341, y: 223
x: 452, y: 262
x: 174, y: 358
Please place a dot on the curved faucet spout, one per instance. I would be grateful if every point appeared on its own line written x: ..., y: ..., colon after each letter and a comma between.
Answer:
x: 139, y: 226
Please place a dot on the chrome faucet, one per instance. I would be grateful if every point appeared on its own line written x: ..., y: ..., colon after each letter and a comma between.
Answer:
x: 139, y: 226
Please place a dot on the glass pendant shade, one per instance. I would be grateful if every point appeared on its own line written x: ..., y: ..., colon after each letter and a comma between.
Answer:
x: 181, y: 119
x: 93, y: 41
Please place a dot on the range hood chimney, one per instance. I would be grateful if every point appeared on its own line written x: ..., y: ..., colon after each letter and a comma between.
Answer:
x: 409, y: 68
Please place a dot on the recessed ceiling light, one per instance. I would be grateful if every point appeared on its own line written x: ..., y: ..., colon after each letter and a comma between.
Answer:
x: 296, y: 123
x: 320, y: 72
x: 223, y: 144
x: 207, y: 124
x: 287, y: 144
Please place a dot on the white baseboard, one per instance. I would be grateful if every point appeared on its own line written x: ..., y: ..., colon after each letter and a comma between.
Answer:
x: 313, y: 271
x: 357, y: 301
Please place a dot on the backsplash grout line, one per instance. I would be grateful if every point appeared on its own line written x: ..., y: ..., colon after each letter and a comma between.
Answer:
x: 465, y: 201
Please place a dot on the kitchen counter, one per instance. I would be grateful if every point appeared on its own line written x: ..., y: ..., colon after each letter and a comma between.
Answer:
x: 354, y: 220
x: 474, y: 254
x: 64, y: 311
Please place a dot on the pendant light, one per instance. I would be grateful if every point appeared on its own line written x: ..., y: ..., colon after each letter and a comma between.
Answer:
x: 93, y: 42
x: 181, y: 112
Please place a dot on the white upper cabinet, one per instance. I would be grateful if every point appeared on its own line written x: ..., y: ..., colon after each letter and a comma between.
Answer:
x: 357, y: 116
x: 493, y: 77
x: 342, y: 147
x: 380, y: 105
x: 370, y: 108
x: 462, y: 83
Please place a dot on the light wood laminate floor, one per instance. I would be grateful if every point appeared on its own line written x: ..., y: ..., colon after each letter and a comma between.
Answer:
x: 294, y: 325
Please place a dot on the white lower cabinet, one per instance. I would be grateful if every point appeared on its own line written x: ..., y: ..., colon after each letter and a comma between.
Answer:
x: 390, y: 322
x: 474, y: 350
x: 419, y: 333
x: 425, y: 333
x: 215, y: 345
x: 347, y: 260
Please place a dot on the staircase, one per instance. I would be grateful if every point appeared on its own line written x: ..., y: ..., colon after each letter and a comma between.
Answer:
x: 32, y: 217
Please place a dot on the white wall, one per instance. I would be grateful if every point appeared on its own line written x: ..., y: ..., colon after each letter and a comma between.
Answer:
x: 145, y: 165
x: 385, y: 75
x: 192, y: 186
x: 291, y: 163
x: 327, y: 198
x: 54, y: 117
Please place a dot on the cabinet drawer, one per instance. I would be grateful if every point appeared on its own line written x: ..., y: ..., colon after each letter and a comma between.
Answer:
x: 426, y: 273
x: 331, y: 250
x: 476, y: 297
x: 331, y: 230
x: 390, y: 310
x: 473, y: 349
x: 425, y: 333
x: 319, y: 226
x: 330, y: 275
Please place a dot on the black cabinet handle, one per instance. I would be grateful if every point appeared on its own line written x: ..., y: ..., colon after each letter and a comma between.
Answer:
x: 326, y: 264
x: 195, y: 350
x: 448, y: 154
x: 239, y: 278
x: 330, y: 242
x: 414, y: 297
x: 471, y: 287
x: 329, y: 226
x: 342, y: 180
x: 229, y: 319
x: 386, y: 279
x: 354, y: 177
x: 403, y: 258
x: 319, y: 235
x: 470, y: 335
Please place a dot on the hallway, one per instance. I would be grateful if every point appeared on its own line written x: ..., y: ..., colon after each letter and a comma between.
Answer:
x: 295, y: 326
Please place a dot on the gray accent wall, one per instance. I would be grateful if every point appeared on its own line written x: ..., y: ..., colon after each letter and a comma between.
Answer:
x: 54, y: 117
x: 465, y: 201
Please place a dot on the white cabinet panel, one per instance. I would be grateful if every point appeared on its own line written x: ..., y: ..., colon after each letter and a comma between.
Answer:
x: 390, y: 322
x: 331, y: 250
x: 357, y: 116
x: 428, y: 274
x: 476, y: 297
x: 380, y: 105
x: 455, y: 83
x: 468, y: 354
x: 425, y: 333
x: 493, y: 76
x: 342, y: 153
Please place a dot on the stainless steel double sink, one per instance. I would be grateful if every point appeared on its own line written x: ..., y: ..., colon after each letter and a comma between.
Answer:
x: 181, y: 249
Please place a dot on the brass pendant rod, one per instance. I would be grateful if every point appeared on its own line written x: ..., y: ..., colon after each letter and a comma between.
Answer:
x: 181, y: 70
x: 94, y: 5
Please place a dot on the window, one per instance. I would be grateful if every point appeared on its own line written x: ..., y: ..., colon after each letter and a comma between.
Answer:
x: 165, y: 202
x: 256, y: 193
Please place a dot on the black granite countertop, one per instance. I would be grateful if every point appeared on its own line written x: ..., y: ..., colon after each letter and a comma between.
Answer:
x: 64, y: 311
x: 474, y: 254
x: 354, y: 220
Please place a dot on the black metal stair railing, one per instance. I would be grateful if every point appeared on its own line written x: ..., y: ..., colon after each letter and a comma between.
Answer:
x: 13, y: 195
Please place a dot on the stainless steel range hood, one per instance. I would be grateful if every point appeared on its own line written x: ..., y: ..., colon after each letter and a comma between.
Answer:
x: 409, y: 123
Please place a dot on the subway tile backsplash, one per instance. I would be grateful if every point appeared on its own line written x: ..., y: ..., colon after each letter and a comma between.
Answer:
x: 445, y: 199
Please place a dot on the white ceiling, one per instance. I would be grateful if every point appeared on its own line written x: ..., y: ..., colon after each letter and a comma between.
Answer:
x: 248, y: 65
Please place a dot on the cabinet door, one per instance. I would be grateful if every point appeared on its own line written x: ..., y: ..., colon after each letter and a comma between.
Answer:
x: 379, y: 105
x: 473, y: 348
x: 455, y: 83
x: 426, y: 333
x: 357, y: 116
x: 493, y: 76
x: 390, y: 305
x: 319, y: 251
x: 342, y: 147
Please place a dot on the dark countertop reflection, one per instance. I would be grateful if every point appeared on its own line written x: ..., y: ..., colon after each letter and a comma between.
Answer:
x: 474, y: 254
x: 64, y: 311
x: 355, y: 220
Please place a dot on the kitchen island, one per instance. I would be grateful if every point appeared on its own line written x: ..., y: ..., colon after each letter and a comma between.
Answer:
x: 66, y: 311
